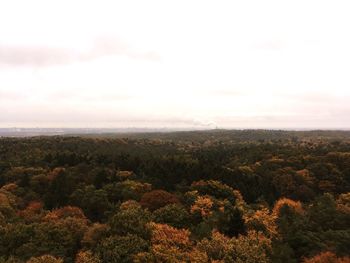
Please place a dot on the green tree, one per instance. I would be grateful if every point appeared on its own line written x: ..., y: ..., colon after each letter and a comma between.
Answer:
x: 121, y: 249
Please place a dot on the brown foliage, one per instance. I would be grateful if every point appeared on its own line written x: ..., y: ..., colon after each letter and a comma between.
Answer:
x: 125, y: 174
x: 343, y: 203
x: 169, y: 236
x: 32, y: 212
x: 71, y: 218
x: 11, y: 187
x: 45, y: 259
x: 327, y: 257
x: 216, y: 247
x: 86, y: 257
x: 157, y: 199
x: 66, y: 212
x: 94, y: 234
x: 168, y: 245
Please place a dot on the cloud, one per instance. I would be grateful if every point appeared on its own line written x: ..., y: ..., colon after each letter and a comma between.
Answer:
x: 88, y: 97
x: 10, y: 95
x: 227, y: 92
x: 105, y: 46
x: 39, y: 56
x: 272, y: 45
x: 34, y: 56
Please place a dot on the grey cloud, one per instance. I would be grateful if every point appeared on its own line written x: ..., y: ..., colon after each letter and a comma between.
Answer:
x: 47, y: 56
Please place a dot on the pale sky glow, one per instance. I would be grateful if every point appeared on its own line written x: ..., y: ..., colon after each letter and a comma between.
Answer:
x: 231, y: 64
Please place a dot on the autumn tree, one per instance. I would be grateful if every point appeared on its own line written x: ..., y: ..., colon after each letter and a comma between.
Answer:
x: 168, y: 244
x: 33, y: 212
x: 262, y: 221
x: 158, y: 198
x: 251, y: 248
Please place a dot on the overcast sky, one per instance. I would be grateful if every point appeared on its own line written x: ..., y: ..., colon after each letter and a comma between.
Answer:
x: 200, y: 64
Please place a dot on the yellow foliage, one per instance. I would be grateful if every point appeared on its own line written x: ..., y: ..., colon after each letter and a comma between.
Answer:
x: 169, y: 244
x: 86, y: 257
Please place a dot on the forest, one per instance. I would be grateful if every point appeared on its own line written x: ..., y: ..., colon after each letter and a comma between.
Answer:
x: 220, y: 196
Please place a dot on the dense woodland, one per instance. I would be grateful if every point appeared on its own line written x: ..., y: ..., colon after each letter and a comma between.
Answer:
x: 209, y: 196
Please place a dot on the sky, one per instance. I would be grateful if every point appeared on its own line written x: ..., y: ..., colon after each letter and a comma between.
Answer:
x: 193, y: 64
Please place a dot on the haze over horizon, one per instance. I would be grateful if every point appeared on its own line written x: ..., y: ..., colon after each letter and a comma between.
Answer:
x: 189, y: 64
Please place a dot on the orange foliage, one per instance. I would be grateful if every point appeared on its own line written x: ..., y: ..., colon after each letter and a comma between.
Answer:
x: 168, y: 245
x: 169, y: 236
x: 295, y: 205
x: 262, y: 221
x: 327, y: 257
x: 203, y: 205
x: 66, y: 212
